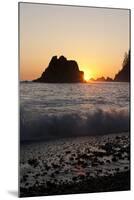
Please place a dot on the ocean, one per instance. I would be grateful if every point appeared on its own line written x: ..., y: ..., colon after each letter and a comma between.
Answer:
x: 52, y: 111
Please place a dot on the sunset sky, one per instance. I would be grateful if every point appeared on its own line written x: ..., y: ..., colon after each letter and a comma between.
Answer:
x: 96, y: 38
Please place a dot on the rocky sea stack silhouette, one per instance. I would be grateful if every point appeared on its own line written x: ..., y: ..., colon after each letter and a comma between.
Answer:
x: 124, y: 74
x: 61, y: 70
x: 102, y: 79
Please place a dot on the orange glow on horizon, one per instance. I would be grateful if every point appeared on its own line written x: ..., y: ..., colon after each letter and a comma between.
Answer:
x: 87, y: 76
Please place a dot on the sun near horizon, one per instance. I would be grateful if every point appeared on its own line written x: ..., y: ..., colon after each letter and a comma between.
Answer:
x: 87, y: 75
x: 96, y: 38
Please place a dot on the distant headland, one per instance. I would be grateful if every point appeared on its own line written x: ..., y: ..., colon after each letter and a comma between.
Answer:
x: 61, y: 70
x: 102, y: 79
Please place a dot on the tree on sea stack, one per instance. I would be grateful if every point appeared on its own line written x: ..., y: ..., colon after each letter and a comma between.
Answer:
x: 124, y: 74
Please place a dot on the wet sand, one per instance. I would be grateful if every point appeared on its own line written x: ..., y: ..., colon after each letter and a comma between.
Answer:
x: 75, y: 165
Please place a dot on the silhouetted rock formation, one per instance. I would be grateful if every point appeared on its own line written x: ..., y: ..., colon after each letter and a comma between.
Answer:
x: 109, y: 79
x: 91, y: 79
x: 61, y: 71
x: 100, y: 79
x: 124, y: 74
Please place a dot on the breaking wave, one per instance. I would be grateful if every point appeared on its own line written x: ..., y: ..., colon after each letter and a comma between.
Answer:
x: 70, y: 125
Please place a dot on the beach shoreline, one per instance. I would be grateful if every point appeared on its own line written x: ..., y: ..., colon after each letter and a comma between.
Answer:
x: 118, y: 182
x: 79, y: 165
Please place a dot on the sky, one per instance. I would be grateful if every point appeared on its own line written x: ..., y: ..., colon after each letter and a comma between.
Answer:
x: 97, y: 38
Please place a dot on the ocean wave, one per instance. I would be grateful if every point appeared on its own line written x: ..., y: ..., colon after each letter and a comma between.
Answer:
x: 69, y: 125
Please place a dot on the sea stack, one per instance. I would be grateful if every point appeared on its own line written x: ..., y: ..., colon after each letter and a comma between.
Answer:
x: 61, y: 70
x: 124, y: 74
